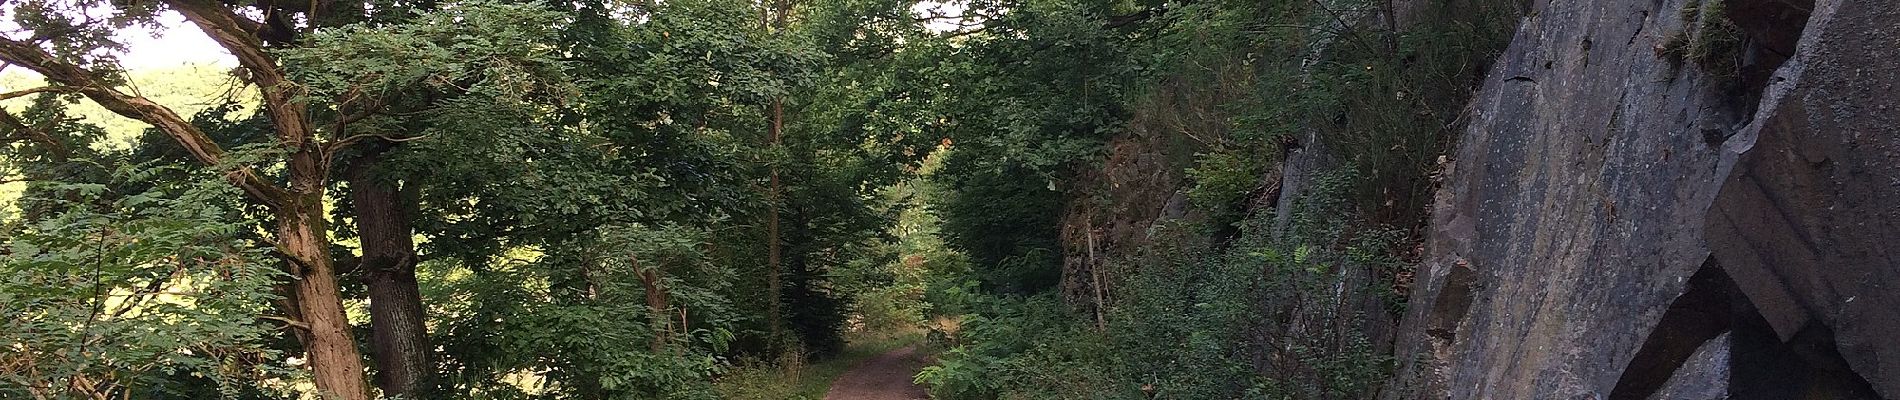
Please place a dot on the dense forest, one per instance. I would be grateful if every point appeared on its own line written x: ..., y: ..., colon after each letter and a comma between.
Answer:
x: 1030, y: 199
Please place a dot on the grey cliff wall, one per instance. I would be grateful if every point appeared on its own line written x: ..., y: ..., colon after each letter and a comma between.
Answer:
x: 1622, y: 223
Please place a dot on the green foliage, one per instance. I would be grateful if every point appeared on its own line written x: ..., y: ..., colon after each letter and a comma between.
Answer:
x: 587, y: 182
x: 1225, y: 178
x: 1037, y: 92
x: 486, y: 48
x: 1007, y: 225
x: 1026, y: 347
x: 1386, y: 100
x: 1717, y: 42
x: 550, y: 154
x: 151, y: 294
x: 1189, y: 320
x: 1707, y: 38
x: 53, y: 152
x: 187, y: 89
x: 1188, y: 323
x: 580, y: 318
x: 74, y: 30
x: 897, y: 288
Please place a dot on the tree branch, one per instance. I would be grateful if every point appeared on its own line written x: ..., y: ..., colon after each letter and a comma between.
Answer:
x: 283, y: 100
x: 1117, y: 21
x: 37, y: 90
x: 368, y: 107
x: 90, y: 84
x: 967, y: 32
x: 57, y: 150
x: 286, y: 321
x: 340, y: 144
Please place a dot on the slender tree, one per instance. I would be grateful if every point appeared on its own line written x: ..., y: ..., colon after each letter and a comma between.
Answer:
x: 774, y: 19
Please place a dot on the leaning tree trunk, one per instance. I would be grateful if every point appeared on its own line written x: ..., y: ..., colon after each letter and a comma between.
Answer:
x: 398, y: 337
x: 301, y: 237
x: 335, y: 365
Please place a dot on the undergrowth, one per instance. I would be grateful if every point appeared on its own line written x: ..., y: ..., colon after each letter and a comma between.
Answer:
x: 1225, y: 301
x: 1259, y: 319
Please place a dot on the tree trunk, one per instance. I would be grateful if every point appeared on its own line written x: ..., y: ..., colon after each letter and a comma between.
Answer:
x: 398, y: 336
x: 657, y: 302
x: 773, y: 247
x: 301, y: 238
x: 335, y: 366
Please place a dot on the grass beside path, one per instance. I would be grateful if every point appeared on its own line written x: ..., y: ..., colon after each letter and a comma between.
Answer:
x: 792, y: 379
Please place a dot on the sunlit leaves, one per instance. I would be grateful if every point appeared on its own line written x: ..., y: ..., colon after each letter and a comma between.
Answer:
x: 480, y: 47
x: 120, y: 290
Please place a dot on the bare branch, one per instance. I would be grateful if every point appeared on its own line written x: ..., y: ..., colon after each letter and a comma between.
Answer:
x: 364, y: 104
x: 287, y: 321
x: 37, y: 90
x: 359, y: 137
x: 966, y: 32
x: 960, y: 20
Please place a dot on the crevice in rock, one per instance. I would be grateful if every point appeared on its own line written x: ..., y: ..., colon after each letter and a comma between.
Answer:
x: 1454, y: 298
x: 1771, y: 29
x: 1761, y: 365
x: 1807, y: 366
x: 1702, y: 312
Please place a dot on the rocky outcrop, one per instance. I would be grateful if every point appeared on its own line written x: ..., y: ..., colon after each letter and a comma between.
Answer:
x: 1806, y: 220
x: 1650, y: 202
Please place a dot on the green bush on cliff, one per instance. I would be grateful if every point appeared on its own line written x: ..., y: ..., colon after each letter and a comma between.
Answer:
x: 1708, y: 39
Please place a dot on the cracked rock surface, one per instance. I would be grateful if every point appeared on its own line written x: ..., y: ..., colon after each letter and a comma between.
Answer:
x: 1621, y: 224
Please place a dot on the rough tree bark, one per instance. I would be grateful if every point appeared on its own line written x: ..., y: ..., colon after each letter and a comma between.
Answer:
x: 335, y: 365
x: 398, y: 337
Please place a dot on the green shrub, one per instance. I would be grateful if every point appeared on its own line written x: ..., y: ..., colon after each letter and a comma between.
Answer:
x: 154, y: 294
x: 1718, y: 41
x: 1224, y: 178
x: 1189, y: 322
x: 576, y: 322
x: 1708, y: 38
x: 1006, y: 221
x: 1024, y: 348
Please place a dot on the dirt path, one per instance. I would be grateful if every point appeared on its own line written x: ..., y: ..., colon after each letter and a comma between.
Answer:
x: 887, y: 377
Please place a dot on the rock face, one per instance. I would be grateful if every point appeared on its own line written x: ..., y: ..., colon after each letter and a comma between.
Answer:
x: 1806, y: 220
x: 1703, y: 377
x: 1649, y: 205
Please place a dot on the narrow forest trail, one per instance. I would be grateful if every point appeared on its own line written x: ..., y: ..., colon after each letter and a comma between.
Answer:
x: 885, y: 377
